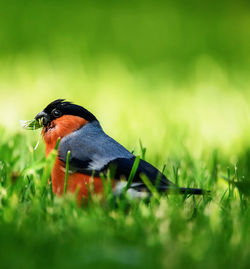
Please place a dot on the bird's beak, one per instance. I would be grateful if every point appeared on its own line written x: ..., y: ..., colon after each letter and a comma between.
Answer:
x: 43, y: 118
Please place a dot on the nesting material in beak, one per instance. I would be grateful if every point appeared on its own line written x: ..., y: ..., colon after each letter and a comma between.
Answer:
x: 32, y: 124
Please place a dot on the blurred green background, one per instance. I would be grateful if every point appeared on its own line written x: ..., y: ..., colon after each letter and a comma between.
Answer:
x: 172, y: 73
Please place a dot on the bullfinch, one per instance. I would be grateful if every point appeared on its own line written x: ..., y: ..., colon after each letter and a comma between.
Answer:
x: 92, y: 153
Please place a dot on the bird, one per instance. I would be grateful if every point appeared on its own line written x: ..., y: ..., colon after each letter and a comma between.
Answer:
x: 92, y: 153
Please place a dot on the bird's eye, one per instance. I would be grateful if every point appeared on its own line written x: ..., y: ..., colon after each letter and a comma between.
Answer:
x: 56, y: 113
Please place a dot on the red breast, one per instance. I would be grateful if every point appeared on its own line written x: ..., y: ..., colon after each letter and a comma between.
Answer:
x: 61, y: 127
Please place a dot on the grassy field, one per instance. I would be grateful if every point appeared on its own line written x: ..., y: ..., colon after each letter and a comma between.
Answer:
x: 172, y: 75
x: 40, y: 230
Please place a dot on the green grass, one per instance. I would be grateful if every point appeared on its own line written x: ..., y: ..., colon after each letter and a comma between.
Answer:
x: 40, y: 230
x: 199, y: 132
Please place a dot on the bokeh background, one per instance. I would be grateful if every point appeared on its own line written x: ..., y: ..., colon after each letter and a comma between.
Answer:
x: 174, y: 74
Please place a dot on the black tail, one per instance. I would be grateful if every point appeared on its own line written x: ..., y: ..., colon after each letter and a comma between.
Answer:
x: 176, y: 190
x: 192, y: 191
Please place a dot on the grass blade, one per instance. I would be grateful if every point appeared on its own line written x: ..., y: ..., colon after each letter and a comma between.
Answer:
x: 66, y: 172
x: 150, y: 186
x: 132, y: 173
x: 143, y: 151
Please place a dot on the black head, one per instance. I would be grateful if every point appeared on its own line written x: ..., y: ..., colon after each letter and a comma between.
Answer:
x: 59, y: 107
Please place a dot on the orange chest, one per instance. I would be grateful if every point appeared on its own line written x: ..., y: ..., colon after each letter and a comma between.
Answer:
x: 76, y: 181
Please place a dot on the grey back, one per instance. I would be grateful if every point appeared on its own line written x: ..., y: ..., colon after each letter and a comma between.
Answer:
x: 91, y: 148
